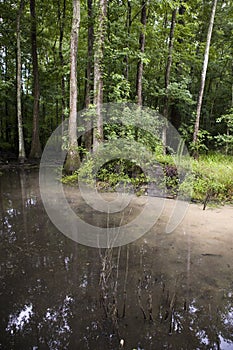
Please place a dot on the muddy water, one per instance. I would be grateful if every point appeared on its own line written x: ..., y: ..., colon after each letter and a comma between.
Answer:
x: 161, y: 292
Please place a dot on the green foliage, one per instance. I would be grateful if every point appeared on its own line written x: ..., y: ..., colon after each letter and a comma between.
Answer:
x: 122, y: 172
x: 211, y: 174
x: 121, y: 56
x: 6, y: 146
x: 119, y: 89
x: 110, y: 176
x: 70, y: 179
x: 201, y: 146
x: 178, y: 91
x: 226, y: 139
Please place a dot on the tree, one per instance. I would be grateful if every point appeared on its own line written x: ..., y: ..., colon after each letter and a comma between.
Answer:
x: 125, y: 70
x: 101, y: 5
x: 128, y: 29
x: 73, y: 158
x: 89, y: 73
x: 35, y: 152
x: 142, y: 39
x: 61, y: 18
x: 203, y: 77
x: 90, y: 42
x: 226, y: 139
x: 21, y: 155
x: 167, y: 76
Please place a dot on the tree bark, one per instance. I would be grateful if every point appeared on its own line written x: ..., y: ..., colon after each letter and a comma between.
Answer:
x: 73, y: 158
x: 21, y: 155
x: 98, y: 71
x: 61, y: 18
x: 89, y: 74
x: 6, y: 105
x: 90, y: 42
x: 167, y: 78
x: 142, y: 40
x: 203, y: 77
x: 35, y: 145
x: 128, y: 28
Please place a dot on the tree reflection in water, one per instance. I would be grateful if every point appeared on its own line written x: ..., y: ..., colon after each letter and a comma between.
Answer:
x: 56, y: 294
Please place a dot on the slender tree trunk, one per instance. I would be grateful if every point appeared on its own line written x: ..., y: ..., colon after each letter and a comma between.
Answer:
x: 228, y: 126
x: 89, y: 74
x: 7, y: 126
x: 6, y: 107
x: 203, y: 76
x: 73, y: 159
x: 61, y: 18
x: 98, y: 71
x: 142, y: 39
x: 232, y: 86
x: 128, y: 28
x: 21, y: 155
x: 35, y: 146
x: 167, y: 77
x: 90, y: 43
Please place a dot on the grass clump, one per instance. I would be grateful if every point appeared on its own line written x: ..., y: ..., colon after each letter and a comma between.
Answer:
x: 211, y: 175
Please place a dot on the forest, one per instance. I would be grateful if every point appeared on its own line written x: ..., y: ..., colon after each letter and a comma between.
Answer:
x: 174, y: 57
x: 116, y: 174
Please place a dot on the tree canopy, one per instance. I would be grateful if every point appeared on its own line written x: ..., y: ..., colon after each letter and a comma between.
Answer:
x: 136, y: 35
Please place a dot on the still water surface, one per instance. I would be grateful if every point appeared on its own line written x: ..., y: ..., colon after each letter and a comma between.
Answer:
x: 156, y: 293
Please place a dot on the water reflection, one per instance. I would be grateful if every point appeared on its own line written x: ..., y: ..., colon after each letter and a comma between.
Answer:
x: 56, y: 294
x: 17, y: 322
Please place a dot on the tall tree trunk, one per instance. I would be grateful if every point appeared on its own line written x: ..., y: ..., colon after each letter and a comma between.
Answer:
x: 101, y: 5
x: 21, y: 155
x: 73, y: 158
x: 128, y: 28
x: 167, y: 77
x: 90, y: 43
x: 61, y: 18
x: 6, y: 106
x: 228, y: 126
x: 203, y: 77
x: 89, y: 73
x: 35, y: 146
x: 142, y: 39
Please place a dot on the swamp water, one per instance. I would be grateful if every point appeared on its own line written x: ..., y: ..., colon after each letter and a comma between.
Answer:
x: 160, y: 292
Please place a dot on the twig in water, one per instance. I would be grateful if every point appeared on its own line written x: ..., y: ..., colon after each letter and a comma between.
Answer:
x: 171, y: 311
x: 150, y: 307
x: 126, y: 277
x: 139, y: 299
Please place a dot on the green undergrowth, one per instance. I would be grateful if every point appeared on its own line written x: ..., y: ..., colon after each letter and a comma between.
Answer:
x: 111, y: 176
x: 212, y: 177
x: 208, y: 178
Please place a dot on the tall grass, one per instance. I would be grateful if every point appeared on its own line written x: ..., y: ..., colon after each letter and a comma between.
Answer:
x: 211, y: 175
